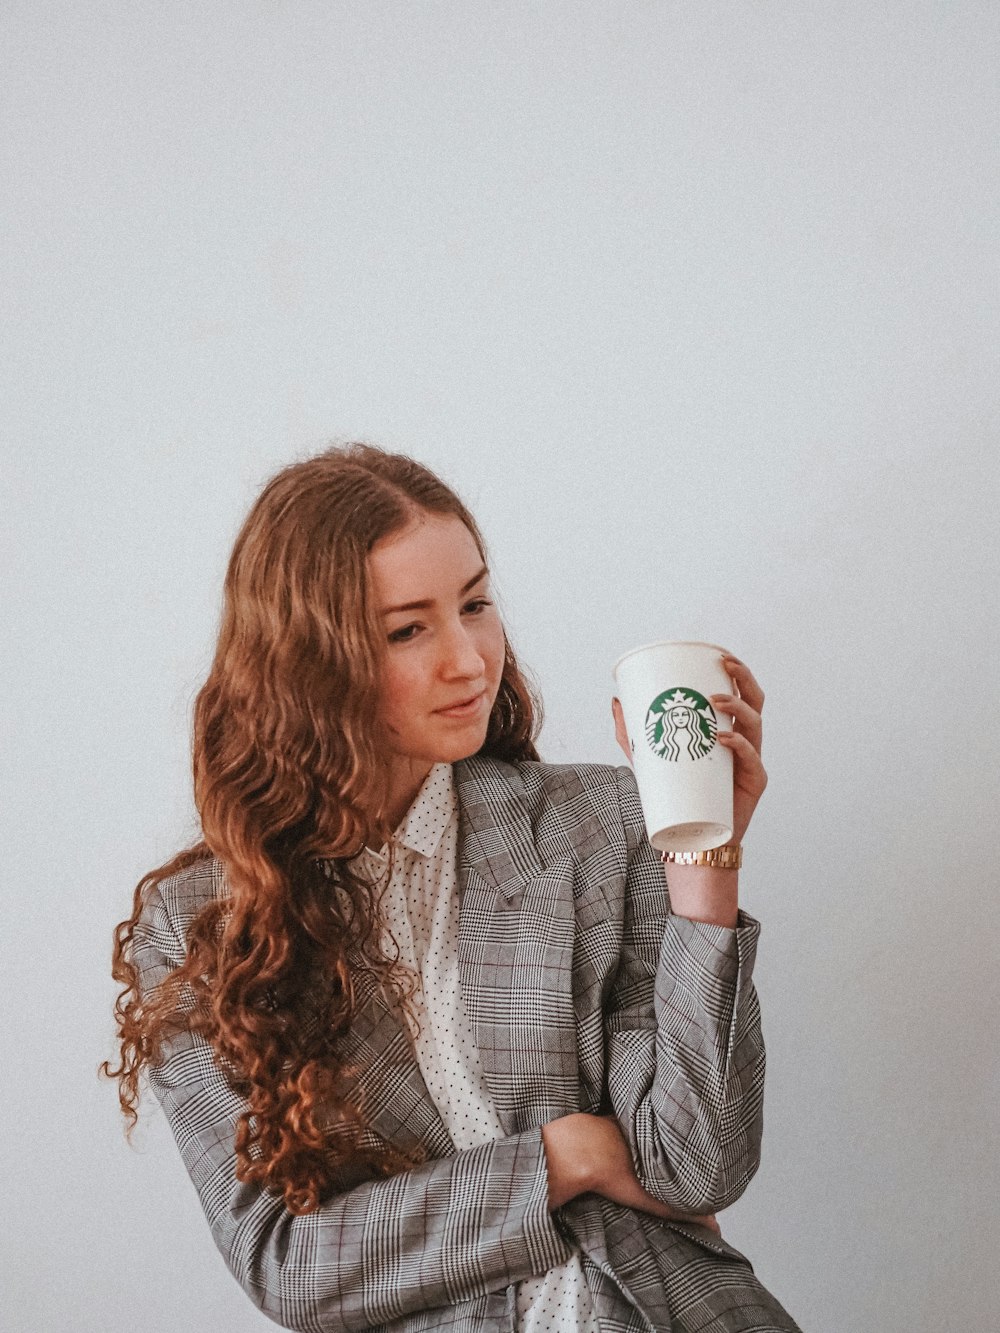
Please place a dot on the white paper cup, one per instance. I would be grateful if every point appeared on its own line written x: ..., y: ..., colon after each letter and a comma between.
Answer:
x: 685, y: 777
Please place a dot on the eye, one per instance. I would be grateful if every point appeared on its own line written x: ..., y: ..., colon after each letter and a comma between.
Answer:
x: 405, y: 634
x: 477, y: 605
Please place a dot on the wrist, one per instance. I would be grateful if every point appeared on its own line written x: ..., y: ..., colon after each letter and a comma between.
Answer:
x: 571, y: 1167
x: 705, y: 893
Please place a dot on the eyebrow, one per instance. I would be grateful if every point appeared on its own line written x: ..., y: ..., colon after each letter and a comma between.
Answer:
x: 422, y: 606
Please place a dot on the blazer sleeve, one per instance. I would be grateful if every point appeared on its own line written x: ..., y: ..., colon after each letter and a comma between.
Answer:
x: 447, y: 1231
x: 685, y: 1051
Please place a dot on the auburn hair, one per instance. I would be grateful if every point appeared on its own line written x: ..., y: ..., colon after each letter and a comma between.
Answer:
x: 291, y: 782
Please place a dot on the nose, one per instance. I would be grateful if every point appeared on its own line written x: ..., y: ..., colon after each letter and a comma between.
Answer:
x: 460, y: 658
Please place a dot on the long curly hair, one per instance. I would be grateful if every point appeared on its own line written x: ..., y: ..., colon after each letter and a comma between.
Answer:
x: 291, y: 782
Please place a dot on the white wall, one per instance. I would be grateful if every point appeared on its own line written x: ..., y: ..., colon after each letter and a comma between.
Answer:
x: 697, y: 305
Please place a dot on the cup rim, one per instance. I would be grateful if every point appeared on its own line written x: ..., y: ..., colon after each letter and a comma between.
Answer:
x: 664, y: 643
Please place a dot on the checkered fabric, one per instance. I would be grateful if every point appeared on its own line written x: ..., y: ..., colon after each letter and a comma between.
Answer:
x: 584, y: 994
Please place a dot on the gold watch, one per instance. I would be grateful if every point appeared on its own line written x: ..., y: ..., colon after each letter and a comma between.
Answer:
x: 723, y: 858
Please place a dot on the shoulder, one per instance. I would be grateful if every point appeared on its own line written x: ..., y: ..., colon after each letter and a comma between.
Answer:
x: 580, y: 802
x: 537, y: 784
x: 173, y: 903
x: 188, y: 891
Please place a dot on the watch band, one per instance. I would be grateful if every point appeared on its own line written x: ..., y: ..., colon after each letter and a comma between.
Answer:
x: 723, y: 858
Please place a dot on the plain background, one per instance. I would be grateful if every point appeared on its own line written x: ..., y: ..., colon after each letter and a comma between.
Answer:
x: 696, y: 305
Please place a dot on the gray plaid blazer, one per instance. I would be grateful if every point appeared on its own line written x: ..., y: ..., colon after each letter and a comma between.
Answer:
x: 584, y: 994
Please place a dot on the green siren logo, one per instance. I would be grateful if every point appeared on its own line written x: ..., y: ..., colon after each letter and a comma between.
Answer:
x: 681, y: 721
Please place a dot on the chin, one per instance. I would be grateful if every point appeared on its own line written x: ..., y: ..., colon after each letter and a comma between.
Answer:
x: 457, y: 752
x: 455, y: 748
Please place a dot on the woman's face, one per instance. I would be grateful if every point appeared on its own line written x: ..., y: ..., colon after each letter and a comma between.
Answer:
x: 444, y: 647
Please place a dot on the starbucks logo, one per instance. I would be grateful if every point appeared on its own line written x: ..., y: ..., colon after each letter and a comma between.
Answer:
x: 681, y: 722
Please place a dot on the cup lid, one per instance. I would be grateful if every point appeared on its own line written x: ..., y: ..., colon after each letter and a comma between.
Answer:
x: 665, y: 643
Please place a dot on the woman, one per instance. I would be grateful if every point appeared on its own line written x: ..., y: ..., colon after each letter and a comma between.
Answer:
x: 437, y: 1049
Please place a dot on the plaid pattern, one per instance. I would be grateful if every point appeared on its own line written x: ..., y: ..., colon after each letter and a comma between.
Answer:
x: 585, y: 994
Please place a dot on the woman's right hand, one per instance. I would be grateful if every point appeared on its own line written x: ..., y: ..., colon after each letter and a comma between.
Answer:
x: 587, y: 1154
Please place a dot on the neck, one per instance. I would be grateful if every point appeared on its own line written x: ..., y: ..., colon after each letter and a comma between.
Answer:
x: 407, y: 778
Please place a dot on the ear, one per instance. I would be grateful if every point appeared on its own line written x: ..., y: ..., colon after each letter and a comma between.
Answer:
x: 620, y: 732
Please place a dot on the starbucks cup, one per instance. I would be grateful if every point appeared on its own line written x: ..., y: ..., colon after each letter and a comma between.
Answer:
x: 685, y: 777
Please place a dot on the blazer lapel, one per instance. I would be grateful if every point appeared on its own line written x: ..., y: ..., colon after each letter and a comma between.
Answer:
x: 386, y: 1081
x: 515, y: 952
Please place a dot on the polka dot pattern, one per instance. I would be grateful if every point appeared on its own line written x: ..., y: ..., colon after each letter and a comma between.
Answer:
x: 421, y: 906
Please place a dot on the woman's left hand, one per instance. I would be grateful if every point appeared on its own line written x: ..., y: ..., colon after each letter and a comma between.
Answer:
x: 744, y: 707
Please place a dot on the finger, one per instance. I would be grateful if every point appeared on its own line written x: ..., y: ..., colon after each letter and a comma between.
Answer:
x: 746, y: 719
x: 621, y: 733
x: 749, y: 771
x: 745, y: 680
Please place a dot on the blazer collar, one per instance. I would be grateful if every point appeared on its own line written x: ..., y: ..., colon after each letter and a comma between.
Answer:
x: 496, y: 839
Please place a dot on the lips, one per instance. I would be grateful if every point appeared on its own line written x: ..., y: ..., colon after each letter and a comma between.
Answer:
x: 461, y: 707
